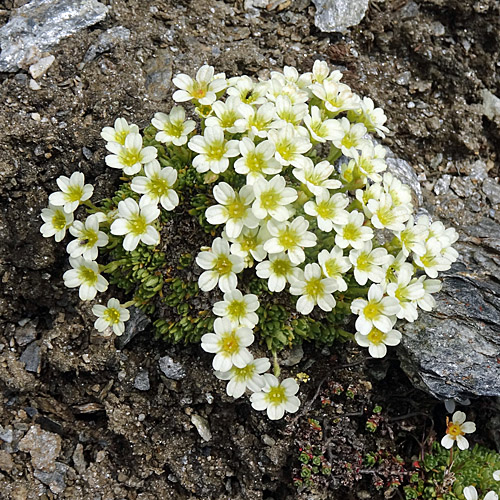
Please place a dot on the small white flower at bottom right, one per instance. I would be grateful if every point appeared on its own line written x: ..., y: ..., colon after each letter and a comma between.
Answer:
x: 276, y: 397
x: 470, y: 493
x: 455, y: 431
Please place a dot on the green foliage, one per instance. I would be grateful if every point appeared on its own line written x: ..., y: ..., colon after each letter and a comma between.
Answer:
x: 472, y: 467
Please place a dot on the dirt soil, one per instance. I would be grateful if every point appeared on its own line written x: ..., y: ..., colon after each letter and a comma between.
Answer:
x: 81, y: 419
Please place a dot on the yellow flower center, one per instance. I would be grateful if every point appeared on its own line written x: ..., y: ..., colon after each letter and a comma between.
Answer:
x: 216, y: 151
x: 332, y: 268
x: 269, y: 199
x: 281, y: 267
x: 371, y: 311
x: 223, y: 265
x: 130, y: 157
x: 363, y: 263
x: 158, y: 186
x: 286, y: 150
x: 244, y: 373
x: 59, y: 220
x: 111, y: 315
x: 454, y: 430
x: 236, y: 209
x: 237, y: 309
x: 248, y: 243
x: 325, y: 209
x: 254, y: 162
x: 229, y: 343
x: 351, y: 232
x: 314, y: 287
x: 288, y: 238
x: 87, y: 276
x: 137, y: 224
x: 276, y: 395
x: 348, y: 141
x: 174, y: 129
x: 74, y: 193
x: 227, y: 119
x: 376, y: 336
x: 199, y: 90
x: 121, y: 136
x: 88, y: 238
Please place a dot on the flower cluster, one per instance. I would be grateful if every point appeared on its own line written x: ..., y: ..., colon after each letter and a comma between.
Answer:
x: 300, y: 195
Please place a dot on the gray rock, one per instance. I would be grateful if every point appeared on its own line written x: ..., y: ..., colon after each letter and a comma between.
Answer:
x: 202, y: 427
x: 171, y: 369
x: 478, y: 171
x: 44, y: 448
x: 106, y: 42
x: 79, y: 459
x: 491, y: 105
x: 137, y: 323
x: 491, y: 189
x: 32, y: 357
x: 40, y: 25
x: 294, y: 357
x: 462, y: 186
x: 26, y: 333
x: 442, y: 185
x: 338, y: 15
x: 6, y: 435
x: 405, y: 173
x: 54, y: 480
x: 6, y: 462
x: 452, y: 352
x: 141, y: 381
x: 158, y: 72
x: 39, y: 68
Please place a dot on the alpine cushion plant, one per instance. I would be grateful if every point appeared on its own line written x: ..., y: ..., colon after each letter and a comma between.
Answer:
x: 307, y: 227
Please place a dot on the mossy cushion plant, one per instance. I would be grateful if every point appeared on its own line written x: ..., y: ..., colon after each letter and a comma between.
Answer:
x: 291, y: 225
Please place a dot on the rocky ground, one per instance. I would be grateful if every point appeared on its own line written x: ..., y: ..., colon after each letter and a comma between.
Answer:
x: 82, y: 419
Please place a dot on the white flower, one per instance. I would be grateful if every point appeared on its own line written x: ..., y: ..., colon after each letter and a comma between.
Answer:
x: 172, y: 128
x: 348, y: 137
x: 328, y: 210
x: 234, y: 209
x: 290, y: 237
x: 131, y: 156
x: 247, y: 91
x: 496, y: 475
x: 336, y: 96
x: 289, y: 146
x: 400, y: 193
x: 229, y: 344
x: 432, y: 262
x: 88, y: 238
x: 321, y: 72
x: 272, y: 198
x: 374, y: 192
x: 119, y: 132
x: 385, y: 215
x: 220, y: 267
x: 85, y: 274
x: 256, y: 121
x: 408, y: 292
x: 250, y: 244
x: 276, y: 397
x: 470, y: 493
x: 353, y: 233
x: 393, y: 267
x: 113, y: 315
x: 334, y: 266
x: 157, y: 186
x: 73, y: 191
x: 227, y: 113
x: 320, y: 128
x: 370, y: 161
x: 427, y: 302
x: 280, y: 86
x: 372, y: 118
x: 135, y: 223
x: 288, y: 113
x: 378, y: 311
x: 238, y: 308
x: 203, y: 89
x: 213, y: 150
x: 256, y: 160
x: 316, y: 177
x: 456, y: 429
x: 412, y: 237
x: 249, y: 377
x: 56, y: 222
x: 376, y: 341
x: 313, y: 289
x: 278, y: 270
x: 368, y: 263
